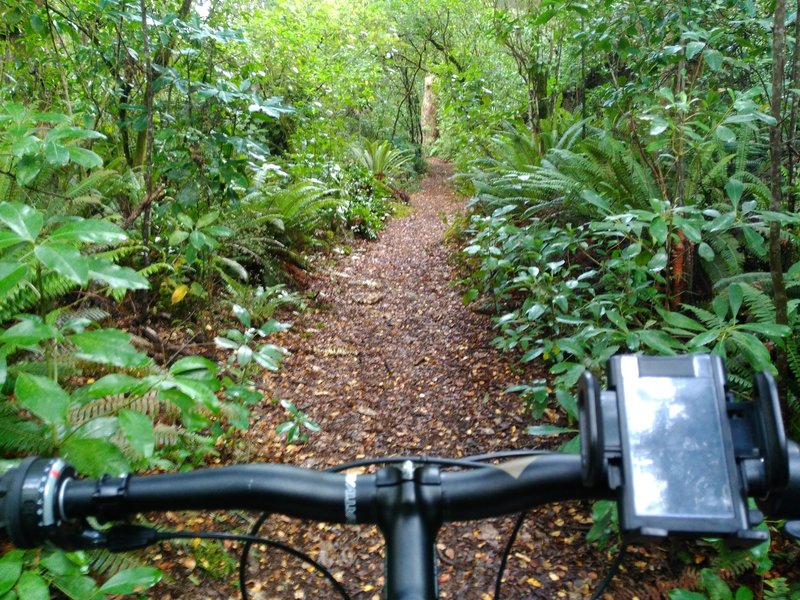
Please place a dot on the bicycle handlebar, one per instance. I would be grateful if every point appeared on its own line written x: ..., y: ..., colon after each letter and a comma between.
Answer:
x: 41, y: 501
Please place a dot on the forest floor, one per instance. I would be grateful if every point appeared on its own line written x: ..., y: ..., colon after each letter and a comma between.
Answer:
x: 388, y: 361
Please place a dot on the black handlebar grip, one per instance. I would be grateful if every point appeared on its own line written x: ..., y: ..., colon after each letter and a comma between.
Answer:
x: 785, y: 503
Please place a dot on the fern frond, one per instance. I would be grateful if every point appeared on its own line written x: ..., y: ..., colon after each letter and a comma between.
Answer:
x: 22, y: 436
x: 759, y: 304
x: 708, y: 318
x: 148, y: 404
x: 108, y: 563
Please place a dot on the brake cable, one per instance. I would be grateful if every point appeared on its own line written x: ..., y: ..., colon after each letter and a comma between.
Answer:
x: 504, y: 560
x: 254, y: 539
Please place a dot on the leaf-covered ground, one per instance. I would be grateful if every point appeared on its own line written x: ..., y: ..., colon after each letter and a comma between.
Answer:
x: 388, y: 361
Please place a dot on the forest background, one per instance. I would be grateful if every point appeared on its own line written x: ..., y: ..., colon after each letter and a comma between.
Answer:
x: 170, y: 166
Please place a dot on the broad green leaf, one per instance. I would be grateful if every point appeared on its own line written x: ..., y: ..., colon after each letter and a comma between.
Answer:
x: 632, y: 251
x: 753, y: 349
x: 242, y: 314
x: 101, y: 428
x: 177, y: 237
x: 734, y: 188
x: 223, y: 342
x: 596, y: 200
x: 108, y: 346
x: 743, y: 593
x: 725, y: 134
x: 85, y: 158
x: 132, y: 581
x: 65, y: 260
x: 770, y: 330
x: 10, y: 570
x: 617, y: 319
x: 21, y: 219
x: 193, y: 364
x: 95, y: 457
x: 691, y: 232
x: 705, y: 251
x: 273, y: 326
x: 199, y: 392
x: 28, y: 332
x: 138, y: 430
x: 55, y: 154
x: 32, y: 586
x: 721, y: 223
x: 3, y: 369
x: 535, y: 311
x: 244, y: 354
x: 713, y: 59
x: 693, y: 49
x: 705, y: 338
x: 659, y: 260
x: 658, y: 229
x: 28, y: 168
x: 51, y: 117
x: 207, y: 219
x: 90, y: 230
x: 112, y: 384
x: 43, y: 397
x: 78, y: 587
x: 269, y: 356
x: 117, y: 277
x: 567, y: 400
x: 9, y: 238
x: 10, y: 275
x: 545, y: 17
x: 680, y: 321
x: 659, y: 341
x: 28, y: 144
x: 58, y: 563
x: 74, y: 133
x: 199, y: 240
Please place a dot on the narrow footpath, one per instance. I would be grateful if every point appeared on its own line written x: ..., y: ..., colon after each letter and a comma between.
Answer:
x: 389, y: 362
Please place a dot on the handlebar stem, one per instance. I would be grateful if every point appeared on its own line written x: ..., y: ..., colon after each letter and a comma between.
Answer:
x: 410, y: 515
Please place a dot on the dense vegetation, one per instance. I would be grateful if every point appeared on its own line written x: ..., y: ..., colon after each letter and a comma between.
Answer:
x: 171, y: 165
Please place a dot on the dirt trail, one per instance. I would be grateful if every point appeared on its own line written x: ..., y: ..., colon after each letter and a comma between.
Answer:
x: 393, y: 362
x: 388, y: 361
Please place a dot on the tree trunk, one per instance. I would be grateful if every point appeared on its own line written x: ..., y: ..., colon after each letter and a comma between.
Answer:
x: 430, y: 129
x: 792, y: 158
x: 776, y: 205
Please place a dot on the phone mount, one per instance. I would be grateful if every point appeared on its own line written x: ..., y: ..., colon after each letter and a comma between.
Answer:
x: 682, y: 455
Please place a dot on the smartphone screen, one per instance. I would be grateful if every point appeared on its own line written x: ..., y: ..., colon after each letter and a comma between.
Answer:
x: 677, y: 454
